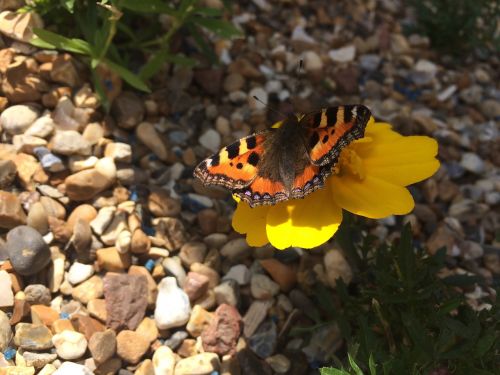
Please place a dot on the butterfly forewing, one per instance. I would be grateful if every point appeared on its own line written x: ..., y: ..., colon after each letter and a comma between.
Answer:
x: 332, y: 129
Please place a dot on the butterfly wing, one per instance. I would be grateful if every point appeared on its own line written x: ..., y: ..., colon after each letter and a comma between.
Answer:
x: 235, y: 166
x: 330, y: 130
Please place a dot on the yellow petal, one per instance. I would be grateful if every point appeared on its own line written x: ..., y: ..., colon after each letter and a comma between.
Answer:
x: 304, y: 223
x: 371, y: 197
x: 399, y: 160
x: 252, y: 222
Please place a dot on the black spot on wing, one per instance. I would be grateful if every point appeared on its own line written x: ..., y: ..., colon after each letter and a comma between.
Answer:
x: 331, y: 115
x: 233, y: 150
x: 239, y: 165
x: 316, y: 120
x: 314, y: 139
x: 348, y: 114
x: 251, y: 142
x: 253, y: 159
x: 325, y: 139
x: 215, y: 160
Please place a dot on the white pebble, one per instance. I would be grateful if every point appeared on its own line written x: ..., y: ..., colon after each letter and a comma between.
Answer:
x: 70, y: 344
x: 79, y: 272
x: 172, y: 305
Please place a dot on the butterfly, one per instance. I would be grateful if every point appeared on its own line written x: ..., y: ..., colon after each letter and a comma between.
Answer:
x: 287, y: 162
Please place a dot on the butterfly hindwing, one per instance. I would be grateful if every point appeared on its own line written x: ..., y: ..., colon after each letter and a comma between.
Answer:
x: 332, y: 129
x: 235, y: 166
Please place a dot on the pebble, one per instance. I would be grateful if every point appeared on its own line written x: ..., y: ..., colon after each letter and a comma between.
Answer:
x: 32, y: 337
x: 236, y: 249
x: 262, y: 287
x: 239, y: 273
x: 126, y: 300
x: 472, y: 163
x: 86, y: 184
x: 7, y: 296
x: 263, y: 341
x: 164, y: 361
x: 5, y: 330
x: 223, y: 331
x: 11, y: 211
x: 192, y: 252
x: 200, y: 364
x: 90, y: 289
x: 172, y: 266
x: 79, y: 272
x: 131, y: 346
x: 71, y: 368
x: 17, y: 119
x: 42, y: 127
x: 37, y: 294
x: 27, y: 250
x: 172, y: 305
x: 195, y: 285
x: 70, y: 142
x: 336, y: 266
x: 211, y: 140
x: 148, y: 135
x: 227, y: 292
x: 343, y: 55
x: 38, y: 360
x: 102, y: 345
x: 70, y: 344
x: 285, y: 275
x: 279, y: 363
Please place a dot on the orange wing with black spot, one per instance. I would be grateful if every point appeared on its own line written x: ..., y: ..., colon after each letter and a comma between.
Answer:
x: 332, y: 129
x: 235, y: 166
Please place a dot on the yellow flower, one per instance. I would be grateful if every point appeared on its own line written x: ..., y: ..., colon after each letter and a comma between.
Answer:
x: 370, y: 180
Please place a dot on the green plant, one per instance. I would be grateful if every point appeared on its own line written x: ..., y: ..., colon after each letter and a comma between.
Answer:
x: 400, y: 318
x: 106, y: 32
x: 458, y: 26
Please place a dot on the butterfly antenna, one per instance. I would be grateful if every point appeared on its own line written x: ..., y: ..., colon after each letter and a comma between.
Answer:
x: 269, y: 107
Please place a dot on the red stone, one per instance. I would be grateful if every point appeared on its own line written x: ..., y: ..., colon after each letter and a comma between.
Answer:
x: 221, y: 335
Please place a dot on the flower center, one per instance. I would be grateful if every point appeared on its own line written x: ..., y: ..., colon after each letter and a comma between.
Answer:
x: 351, y: 163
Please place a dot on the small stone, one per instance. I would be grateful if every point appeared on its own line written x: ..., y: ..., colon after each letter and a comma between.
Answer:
x: 111, y: 260
x: 279, y: 363
x: 64, y: 71
x: 88, y: 290
x: 67, y: 117
x: 472, y: 163
x: 221, y: 335
x: 213, y: 276
x: 164, y: 361
x: 79, y: 272
x: 239, y: 273
x: 227, y: 292
x: 19, y: 26
x: 70, y: 368
x: 336, y: 266
x: 172, y: 305
x: 312, y: 61
x: 161, y: 204
x: 285, y: 275
x: 262, y: 287
x: 128, y: 110
x: 152, y: 288
x: 102, y: 345
x: 147, y: 329
x: 38, y: 360
x: 251, y: 364
x: 86, y: 325
x: 41, y: 314
x: 70, y: 142
x: 17, y: 119
x: 70, y: 344
x: 97, y: 309
x: 33, y: 337
x: 37, y: 294
x: 86, y: 184
x: 7, y: 296
x: 173, y: 266
x: 41, y: 127
x: 192, y: 252
x: 38, y: 218
x: 263, y: 341
x: 131, y: 346
x: 11, y: 211
x: 199, y: 319
x: 126, y: 300
x: 211, y: 140
x: 27, y: 250
x: 119, y: 152
x: 8, y: 171
x: 195, y: 285
x: 60, y: 325
x: 233, y: 82
x: 84, y: 212
x: 145, y: 368
x: 343, y: 55
x: 200, y: 364
x: 255, y: 315
x: 5, y: 330
x: 235, y: 249
x: 148, y: 135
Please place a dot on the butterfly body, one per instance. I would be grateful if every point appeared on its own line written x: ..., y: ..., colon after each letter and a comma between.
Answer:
x: 287, y: 162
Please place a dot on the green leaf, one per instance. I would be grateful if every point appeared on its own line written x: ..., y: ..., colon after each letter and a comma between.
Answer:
x: 69, y: 5
x: 221, y: 28
x: 57, y: 41
x: 129, y: 77
x: 354, y: 365
x: 208, y: 12
x: 461, y: 280
x: 371, y: 365
x: 485, y: 342
x: 332, y: 371
x: 149, y: 6
x: 155, y: 63
x: 185, y: 5
x: 198, y: 38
